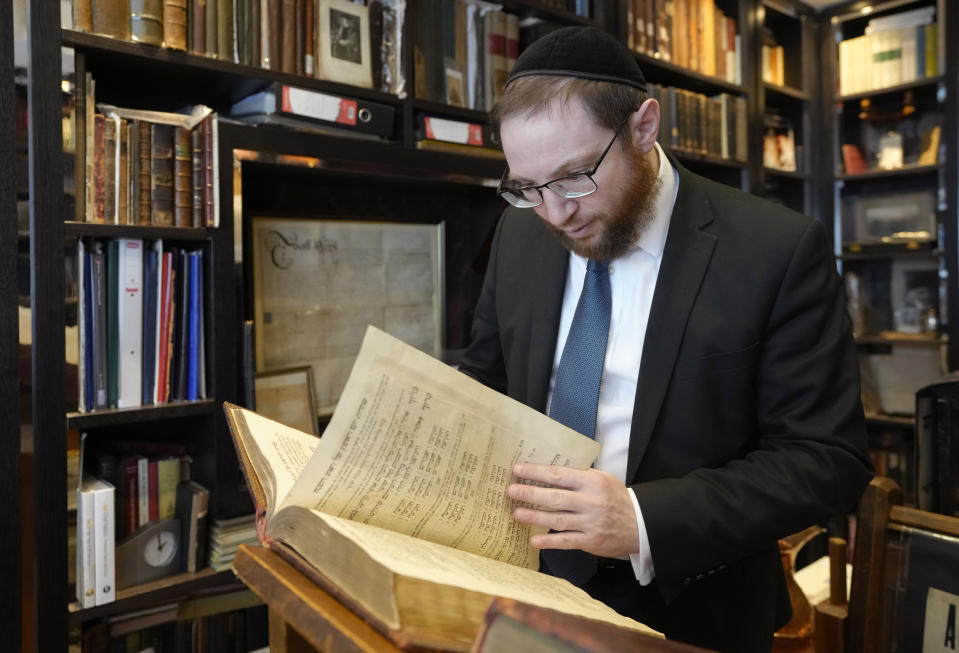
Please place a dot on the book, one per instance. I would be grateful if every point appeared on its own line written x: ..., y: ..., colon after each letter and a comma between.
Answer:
x: 129, y: 322
x: 401, y: 508
x: 146, y: 21
x: 192, y: 509
x: 104, y: 539
x: 86, y: 584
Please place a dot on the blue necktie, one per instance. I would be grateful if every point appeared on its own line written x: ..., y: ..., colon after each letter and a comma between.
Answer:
x: 576, y: 393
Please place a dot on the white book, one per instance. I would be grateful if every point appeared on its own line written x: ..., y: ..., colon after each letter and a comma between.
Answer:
x: 143, y: 490
x: 104, y: 541
x: 86, y: 544
x: 130, y: 321
x: 914, y: 18
x: 909, y: 44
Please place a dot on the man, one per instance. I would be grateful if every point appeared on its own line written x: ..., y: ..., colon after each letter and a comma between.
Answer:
x: 728, y: 406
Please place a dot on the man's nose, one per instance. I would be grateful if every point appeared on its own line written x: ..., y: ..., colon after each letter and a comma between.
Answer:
x: 555, y: 208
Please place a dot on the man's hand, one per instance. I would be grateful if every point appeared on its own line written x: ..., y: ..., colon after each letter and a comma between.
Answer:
x: 592, y: 509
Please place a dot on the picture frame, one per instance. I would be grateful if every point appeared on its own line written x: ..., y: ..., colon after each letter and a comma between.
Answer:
x: 286, y: 395
x: 318, y: 282
x: 344, y: 43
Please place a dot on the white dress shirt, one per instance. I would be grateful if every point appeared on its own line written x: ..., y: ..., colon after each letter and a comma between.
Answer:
x: 632, y: 281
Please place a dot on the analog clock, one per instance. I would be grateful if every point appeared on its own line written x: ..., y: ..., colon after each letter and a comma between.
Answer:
x: 149, y: 553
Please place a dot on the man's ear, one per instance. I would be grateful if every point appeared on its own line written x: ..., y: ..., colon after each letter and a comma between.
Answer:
x: 644, y: 125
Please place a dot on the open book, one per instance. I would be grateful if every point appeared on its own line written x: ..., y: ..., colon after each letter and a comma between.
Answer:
x: 401, y: 508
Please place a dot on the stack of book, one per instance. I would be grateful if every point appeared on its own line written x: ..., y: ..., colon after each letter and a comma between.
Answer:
x: 699, y: 124
x: 226, y: 536
x: 140, y: 319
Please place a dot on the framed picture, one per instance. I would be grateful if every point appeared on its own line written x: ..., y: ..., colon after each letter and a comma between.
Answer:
x: 318, y: 283
x: 286, y: 395
x: 344, y: 43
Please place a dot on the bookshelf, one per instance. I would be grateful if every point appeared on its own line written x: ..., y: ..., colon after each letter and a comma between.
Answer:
x: 704, y: 90
x: 889, y: 183
x: 786, y: 64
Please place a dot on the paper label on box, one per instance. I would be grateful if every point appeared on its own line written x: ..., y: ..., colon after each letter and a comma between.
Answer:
x: 319, y: 105
x: 939, y: 630
x: 453, y: 131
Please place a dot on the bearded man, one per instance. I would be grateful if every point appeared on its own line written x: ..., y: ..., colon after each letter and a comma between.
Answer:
x: 697, y: 332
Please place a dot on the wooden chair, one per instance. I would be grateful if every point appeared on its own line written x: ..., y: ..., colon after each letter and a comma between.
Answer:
x: 900, y: 553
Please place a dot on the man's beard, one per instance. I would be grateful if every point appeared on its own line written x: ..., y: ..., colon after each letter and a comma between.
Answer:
x: 627, y: 220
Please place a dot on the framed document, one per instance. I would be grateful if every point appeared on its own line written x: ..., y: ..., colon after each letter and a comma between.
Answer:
x: 286, y: 396
x: 344, y: 43
x: 317, y: 284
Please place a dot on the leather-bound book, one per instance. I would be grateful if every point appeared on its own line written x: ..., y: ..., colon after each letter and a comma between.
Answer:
x: 208, y: 218
x: 132, y: 137
x: 174, y: 24
x: 300, y: 22
x: 144, y: 162
x: 161, y: 174
x: 196, y: 196
x: 275, y: 10
x: 182, y: 178
x: 225, y: 42
x: 146, y: 21
x: 212, y: 29
x: 123, y: 173
x: 99, y: 127
x: 197, y: 40
x: 82, y: 17
x: 110, y: 133
x: 287, y: 36
x: 111, y: 18
x: 256, y: 34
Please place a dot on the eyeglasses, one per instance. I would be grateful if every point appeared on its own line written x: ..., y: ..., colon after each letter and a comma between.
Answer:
x: 572, y: 186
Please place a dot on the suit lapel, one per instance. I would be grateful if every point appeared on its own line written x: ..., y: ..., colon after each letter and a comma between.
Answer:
x: 685, y: 261
x: 549, y: 261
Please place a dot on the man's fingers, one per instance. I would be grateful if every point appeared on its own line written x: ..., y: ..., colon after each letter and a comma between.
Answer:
x: 550, y: 498
x: 558, y: 521
x: 562, y: 540
x: 554, y: 475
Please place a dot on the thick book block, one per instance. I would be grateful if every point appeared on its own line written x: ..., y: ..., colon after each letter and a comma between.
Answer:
x: 161, y: 174
x: 146, y: 21
x: 175, y: 24
x: 197, y: 26
x: 212, y: 28
x: 111, y: 129
x: 182, y: 178
x: 196, y: 181
x: 111, y: 18
x: 225, y: 35
x: 144, y: 204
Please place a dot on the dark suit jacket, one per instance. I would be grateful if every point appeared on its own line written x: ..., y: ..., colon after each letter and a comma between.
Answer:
x: 747, y: 424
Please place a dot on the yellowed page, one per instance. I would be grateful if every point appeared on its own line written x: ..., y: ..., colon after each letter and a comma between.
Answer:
x: 420, y: 448
x: 411, y: 557
x: 278, y: 452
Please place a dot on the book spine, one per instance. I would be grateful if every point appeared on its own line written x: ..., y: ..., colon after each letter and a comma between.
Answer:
x: 129, y: 500
x: 146, y: 21
x: 111, y: 18
x: 129, y: 321
x: 196, y: 182
x: 168, y: 478
x: 194, y: 313
x: 148, y: 343
x: 99, y: 153
x: 209, y: 218
x: 82, y: 16
x: 112, y: 325
x: 153, y: 487
x: 163, y: 334
x: 86, y: 548
x: 104, y: 543
x: 224, y: 34
x: 175, y: 24
x: 161, y: 174
x: 111, y: 130
x: 124, y: 215
x: 309, y: 39
x: 100, y: 327
x: 182, y: 178
x: 274, y: 20
x: 299, y: 50
x: 198, y: 26
x: 212, y: 28
x: 143, y: 490
x: 144, y: 161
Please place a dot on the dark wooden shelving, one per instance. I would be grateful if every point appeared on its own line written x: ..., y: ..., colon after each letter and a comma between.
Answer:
x: 787, y: 174
x: 905, y: 171
x: 891, y: 90
x: 698, y: 157
x: 167, y: 590
x: 776, y: 92
x: 115, y: 416
x: 853, y: 251
x: 447, y: 110
x: 664, y: 72
x: 101, y: 230
x: 905, y: 422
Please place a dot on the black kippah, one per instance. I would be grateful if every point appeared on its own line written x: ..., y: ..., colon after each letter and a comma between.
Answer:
x: 580, y: 52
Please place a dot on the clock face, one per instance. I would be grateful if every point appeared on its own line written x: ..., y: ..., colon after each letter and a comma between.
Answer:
x: 160, y: 550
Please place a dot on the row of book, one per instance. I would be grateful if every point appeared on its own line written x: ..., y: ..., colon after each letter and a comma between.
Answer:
x: 130, y: 486
x: 351, y: 42
x: 141, y: 329
x: 700, y: 124
x: 773, y: 60
x: 694, y: 34
x: 148, y: 167
x: 463, y: 51
x: 895, y: 49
